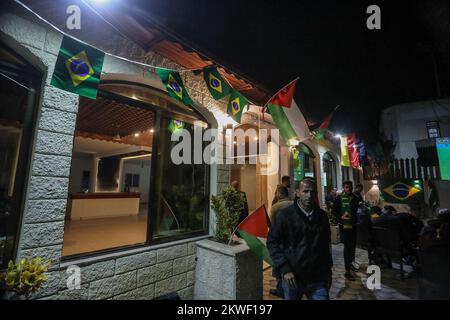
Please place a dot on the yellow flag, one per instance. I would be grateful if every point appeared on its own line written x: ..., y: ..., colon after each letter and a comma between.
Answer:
x: 345, y: 159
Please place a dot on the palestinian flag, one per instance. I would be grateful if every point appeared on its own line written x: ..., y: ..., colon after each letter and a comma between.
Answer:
x: 78, y: 68
x: 168, y: 219
x: 218, y: 87
x: 174, y: 85
x: 353, y: 150
x: 287, y: 115
x: 320, y: 133
x: 253, y: 230
x: 236, y: 105
x: 345, y: 158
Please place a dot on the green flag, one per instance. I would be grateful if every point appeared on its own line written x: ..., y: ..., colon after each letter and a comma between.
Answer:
x: 215, y: 83
x: 174, y: 85
x: 175, y: 125
x: 236, y: 105
x: 78, y: 68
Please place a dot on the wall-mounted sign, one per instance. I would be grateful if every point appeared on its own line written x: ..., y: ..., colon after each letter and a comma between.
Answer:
x: 443, y: 150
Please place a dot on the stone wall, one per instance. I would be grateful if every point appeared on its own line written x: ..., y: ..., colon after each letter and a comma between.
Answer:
x: 144, y: 275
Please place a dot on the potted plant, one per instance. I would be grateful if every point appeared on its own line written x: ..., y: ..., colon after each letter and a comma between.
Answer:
x: 24, y: 278
x: 226, y: 269
x: 228, y: 207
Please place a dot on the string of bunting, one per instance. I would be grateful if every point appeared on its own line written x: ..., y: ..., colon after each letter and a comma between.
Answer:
x: 79, y: 65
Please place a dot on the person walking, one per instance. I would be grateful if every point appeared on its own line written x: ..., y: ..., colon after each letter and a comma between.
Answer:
x: 346, y: 212
x: 286, y: 182
x: 299, y: 243
x: 282, y: 194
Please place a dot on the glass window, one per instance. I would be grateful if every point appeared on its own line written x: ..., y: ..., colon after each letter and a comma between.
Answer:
x: 136, y: 194
x: 182, y: 200
x: 19, y: 83
x: 329, y: 180
x: 345, y: 173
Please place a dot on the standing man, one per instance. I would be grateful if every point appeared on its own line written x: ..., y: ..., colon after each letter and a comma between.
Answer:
x: 346, y: 212
x: 299, y: 243
x: 244, y: 212
x: 286, y: 182
x: 282, y: 194
x: 330, y: 198
x: 359, y: 192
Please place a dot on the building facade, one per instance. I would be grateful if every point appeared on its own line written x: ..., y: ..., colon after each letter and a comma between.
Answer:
x: 88, y: 184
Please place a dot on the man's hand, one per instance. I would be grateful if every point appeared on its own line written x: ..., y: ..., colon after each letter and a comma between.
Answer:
x: 290, y: 279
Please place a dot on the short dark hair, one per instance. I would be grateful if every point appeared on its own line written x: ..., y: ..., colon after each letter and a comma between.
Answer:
x: 359, y: 185
x: 347, y: 182
x: 282, y: 190
x: 285, y: 178
x: 308, y: 180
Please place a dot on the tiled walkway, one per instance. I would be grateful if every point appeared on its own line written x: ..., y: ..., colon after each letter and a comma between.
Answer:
x: 392, y: 288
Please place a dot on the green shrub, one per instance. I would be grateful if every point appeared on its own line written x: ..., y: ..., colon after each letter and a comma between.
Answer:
x: 25, y: 277
x: 228, y: 207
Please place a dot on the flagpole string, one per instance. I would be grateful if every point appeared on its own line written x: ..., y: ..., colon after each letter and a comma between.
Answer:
x: 85, y: 43
x: 144, y: 65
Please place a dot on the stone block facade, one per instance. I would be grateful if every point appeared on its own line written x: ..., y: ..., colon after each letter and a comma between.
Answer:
x: 144, y: 275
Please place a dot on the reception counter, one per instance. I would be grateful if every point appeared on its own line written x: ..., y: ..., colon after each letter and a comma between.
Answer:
x: 102, y: 205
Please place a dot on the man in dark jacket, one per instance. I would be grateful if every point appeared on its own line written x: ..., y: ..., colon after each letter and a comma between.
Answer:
x: 299, y: 243
x: 346, y: 212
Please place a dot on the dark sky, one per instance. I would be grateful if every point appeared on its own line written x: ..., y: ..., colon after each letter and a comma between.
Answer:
x: 325, y: 43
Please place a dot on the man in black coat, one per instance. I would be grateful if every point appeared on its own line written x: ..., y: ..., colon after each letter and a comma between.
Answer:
x: 346, y: 212
x: 299, y: 243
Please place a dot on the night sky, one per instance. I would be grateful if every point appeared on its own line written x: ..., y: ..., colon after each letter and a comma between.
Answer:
x: 326, y: 44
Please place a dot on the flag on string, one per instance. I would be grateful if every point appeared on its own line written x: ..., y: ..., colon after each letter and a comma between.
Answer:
x: 236, y: 105
x: 362, y: 153
x: 345, y: 160
x: 174, y: 85
x: 168, y: 219
x: 320, y: 133
x: 287, y: 115
x: 175, y: 125
x: 216, y: 85
x: 353, y: 150
x: 78, y: 68
x: 254, y: 230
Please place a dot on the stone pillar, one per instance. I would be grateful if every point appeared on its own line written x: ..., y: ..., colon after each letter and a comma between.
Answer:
x: 226, y: 272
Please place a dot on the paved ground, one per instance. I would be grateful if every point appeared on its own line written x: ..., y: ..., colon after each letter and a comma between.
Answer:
x: 392, y: 288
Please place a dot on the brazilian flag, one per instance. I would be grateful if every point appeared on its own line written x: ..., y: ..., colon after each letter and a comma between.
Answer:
x: 175, y: 125
x: 236, y: 105
x: 172, y: 80
x: 215, y: 83
x: 78, y: 68
x: 401, y: 190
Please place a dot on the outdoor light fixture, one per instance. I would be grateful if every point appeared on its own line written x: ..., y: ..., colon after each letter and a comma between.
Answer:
x: 293, y: 142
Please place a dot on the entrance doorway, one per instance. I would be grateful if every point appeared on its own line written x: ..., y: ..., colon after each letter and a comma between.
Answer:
x: 19, y: 83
